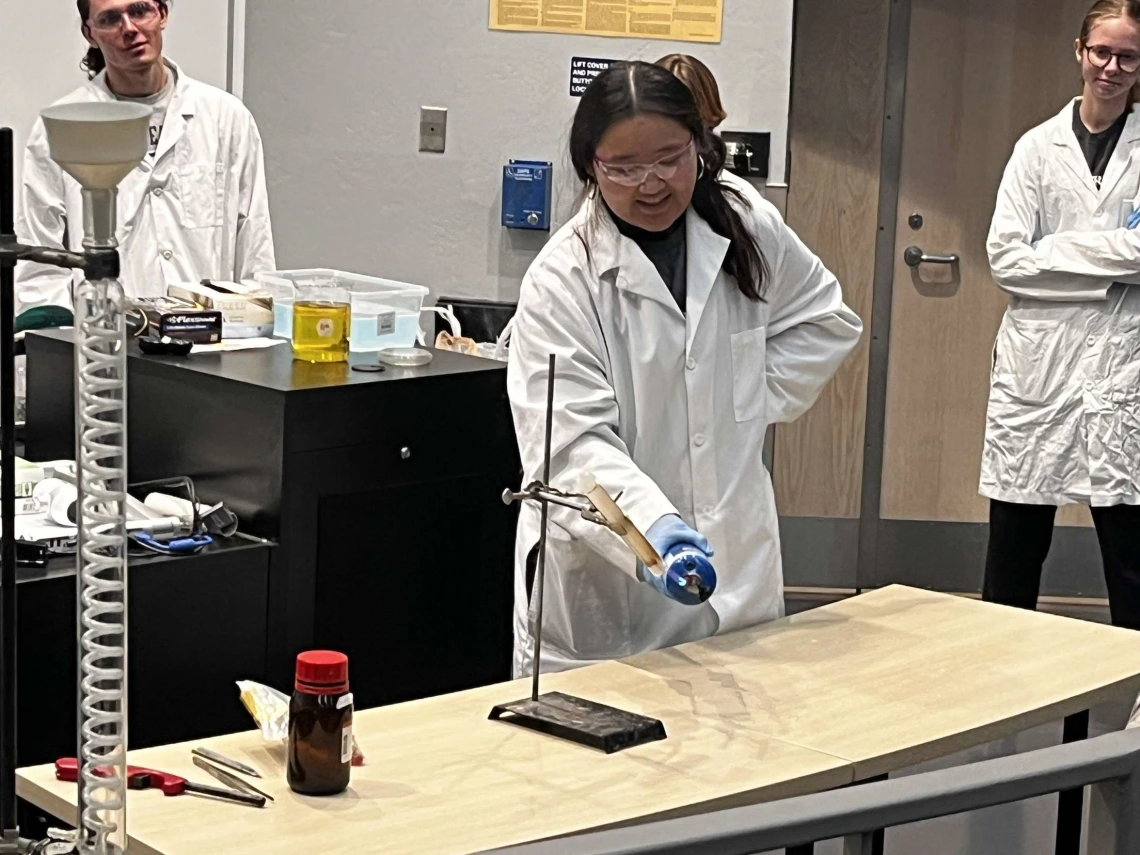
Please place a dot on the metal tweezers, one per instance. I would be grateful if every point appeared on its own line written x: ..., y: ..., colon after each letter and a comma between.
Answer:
x: 230, y: 780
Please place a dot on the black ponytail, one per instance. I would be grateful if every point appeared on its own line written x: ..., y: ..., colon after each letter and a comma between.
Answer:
x: 93, y: 62
x: 628, y: 89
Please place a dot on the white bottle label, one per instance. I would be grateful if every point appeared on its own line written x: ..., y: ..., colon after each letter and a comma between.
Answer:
x: 346, y: 744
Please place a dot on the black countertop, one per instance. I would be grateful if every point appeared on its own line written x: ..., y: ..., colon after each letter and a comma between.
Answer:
x: 274, y: 368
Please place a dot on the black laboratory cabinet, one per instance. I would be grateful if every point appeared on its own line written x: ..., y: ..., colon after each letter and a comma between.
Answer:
x: 196, y: 627
x: 382, y: 491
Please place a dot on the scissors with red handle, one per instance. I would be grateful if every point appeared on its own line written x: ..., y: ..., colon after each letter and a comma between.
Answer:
x: 138, y: 778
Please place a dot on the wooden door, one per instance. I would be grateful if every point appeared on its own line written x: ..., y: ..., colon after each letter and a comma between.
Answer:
x: 980, y: 73
x: 835, y: 147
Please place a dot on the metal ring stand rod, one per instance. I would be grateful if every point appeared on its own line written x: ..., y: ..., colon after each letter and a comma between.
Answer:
x: 8, y: 822
x: 540, y: 578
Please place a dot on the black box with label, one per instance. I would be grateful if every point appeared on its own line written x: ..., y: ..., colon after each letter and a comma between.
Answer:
x: 166, y: 317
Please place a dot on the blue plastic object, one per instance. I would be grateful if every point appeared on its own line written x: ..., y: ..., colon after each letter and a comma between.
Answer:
x: 689, y: 576
x: 527, y: 194
x: 1133, y: 219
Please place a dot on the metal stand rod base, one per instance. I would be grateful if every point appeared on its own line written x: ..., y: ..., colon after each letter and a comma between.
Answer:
x: 578, y: 720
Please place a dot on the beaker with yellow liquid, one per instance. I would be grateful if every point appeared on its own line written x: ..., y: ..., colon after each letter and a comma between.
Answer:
x: 322, y: 318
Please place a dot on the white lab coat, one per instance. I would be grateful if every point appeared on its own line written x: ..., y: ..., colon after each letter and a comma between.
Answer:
x: 197, y: 210
x: 670, y: 411
x: 1063, y: 424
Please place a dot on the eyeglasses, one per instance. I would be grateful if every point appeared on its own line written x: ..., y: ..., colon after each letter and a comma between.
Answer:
x: 1101, y: 56
x: 636, y: 174
x: 141, y: 14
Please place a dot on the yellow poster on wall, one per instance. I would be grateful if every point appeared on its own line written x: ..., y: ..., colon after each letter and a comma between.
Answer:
x: 679, y: 20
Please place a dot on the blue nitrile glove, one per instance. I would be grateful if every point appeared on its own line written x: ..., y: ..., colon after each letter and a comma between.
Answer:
x: 689, y: 576
x: 1133, y: 219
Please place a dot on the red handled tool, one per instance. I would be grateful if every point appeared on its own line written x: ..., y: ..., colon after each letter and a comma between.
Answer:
x: 138, y: 778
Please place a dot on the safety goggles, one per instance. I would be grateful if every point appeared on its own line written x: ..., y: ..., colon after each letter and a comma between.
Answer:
x: 636, y: 174
x: 142, y: 14
x: 1101, y: 56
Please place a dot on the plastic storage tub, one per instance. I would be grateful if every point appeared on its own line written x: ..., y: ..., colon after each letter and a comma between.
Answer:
x: 385, y: 313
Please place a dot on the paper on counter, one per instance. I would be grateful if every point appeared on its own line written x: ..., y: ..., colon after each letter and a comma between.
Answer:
x: 233, y: 344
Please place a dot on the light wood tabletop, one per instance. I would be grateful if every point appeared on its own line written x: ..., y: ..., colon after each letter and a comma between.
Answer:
x: 811, y: 702
x: 898, y: 676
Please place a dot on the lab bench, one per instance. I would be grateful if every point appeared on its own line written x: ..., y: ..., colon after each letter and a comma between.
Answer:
x: 839, y: 695
x: 381, y: 490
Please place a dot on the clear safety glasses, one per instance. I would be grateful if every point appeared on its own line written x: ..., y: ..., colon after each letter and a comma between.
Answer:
x: 1101, y: 56
x: 142, y: 14
x: 636, y: 174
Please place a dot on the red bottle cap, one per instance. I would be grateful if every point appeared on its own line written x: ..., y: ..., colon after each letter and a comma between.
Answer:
x: 322, y: 672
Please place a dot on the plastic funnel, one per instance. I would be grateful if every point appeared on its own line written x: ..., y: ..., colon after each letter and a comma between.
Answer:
x: 98, y: 143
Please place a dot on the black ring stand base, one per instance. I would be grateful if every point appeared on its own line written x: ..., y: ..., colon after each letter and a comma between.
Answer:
x: 584, y: 722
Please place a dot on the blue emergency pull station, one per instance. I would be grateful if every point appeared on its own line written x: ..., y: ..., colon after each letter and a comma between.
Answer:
x: 526, y: 194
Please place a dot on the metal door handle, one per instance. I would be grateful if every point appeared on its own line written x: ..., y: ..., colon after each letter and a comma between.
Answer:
x: 914, y: 256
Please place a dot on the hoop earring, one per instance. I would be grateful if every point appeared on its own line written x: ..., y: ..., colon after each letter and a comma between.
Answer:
x: 700, y: 167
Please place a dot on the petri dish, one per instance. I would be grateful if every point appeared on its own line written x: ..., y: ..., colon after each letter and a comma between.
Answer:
x: 405, y: 357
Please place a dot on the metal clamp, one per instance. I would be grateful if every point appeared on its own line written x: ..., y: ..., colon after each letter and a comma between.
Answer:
x: 539, y: 492
x: 914, y: 256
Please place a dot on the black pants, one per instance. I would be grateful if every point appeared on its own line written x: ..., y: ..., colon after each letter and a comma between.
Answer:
x: 1020, y: 536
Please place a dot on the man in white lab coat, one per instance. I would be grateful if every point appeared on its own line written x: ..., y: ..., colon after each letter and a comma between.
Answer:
x: 196, y: 208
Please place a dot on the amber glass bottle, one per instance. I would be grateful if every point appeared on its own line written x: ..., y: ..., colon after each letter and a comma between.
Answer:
x: 320, y: 725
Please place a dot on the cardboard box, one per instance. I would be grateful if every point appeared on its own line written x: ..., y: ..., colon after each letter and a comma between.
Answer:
x: 247, y: 311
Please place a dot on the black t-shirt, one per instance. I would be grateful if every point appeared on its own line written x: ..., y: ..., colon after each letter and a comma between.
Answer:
x: 1098, y: 148
x: 666, y: 249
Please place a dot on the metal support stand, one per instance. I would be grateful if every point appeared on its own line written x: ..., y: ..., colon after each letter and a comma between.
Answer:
x: 555, y: 713
x: 10, y: 841
x: 8, y: 824
x: 119, y: 139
